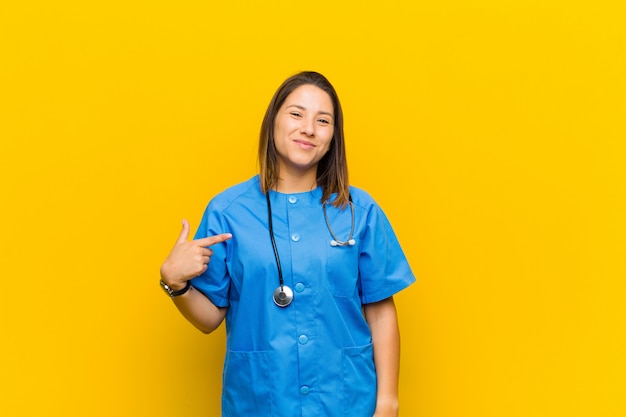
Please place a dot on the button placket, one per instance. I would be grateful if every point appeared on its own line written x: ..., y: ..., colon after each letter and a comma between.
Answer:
x: 299, y: 233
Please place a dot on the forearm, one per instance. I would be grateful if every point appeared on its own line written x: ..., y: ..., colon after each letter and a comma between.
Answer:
x: 383, y: 322
x: 199, y: 310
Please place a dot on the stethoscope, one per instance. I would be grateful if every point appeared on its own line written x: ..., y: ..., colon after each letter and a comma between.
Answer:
x: 283, y: 295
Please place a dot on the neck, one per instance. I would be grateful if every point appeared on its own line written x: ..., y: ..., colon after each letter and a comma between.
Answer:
x: 289, y: 182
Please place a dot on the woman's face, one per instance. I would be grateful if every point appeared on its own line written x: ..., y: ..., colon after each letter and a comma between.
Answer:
x: 303, y: 129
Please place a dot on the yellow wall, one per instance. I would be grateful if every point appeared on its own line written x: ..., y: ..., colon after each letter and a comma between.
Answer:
x: 491, y: 132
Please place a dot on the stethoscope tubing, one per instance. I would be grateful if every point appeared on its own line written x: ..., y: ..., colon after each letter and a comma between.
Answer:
x: 283, y: 295
x: 271, y: 227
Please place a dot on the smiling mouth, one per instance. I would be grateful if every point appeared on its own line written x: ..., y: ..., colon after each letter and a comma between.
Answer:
x: 304, y: 143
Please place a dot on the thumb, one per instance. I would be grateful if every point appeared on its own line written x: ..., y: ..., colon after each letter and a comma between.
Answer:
x: 184, y: 233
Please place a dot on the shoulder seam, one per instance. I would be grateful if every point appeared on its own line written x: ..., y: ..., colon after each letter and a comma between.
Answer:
x: 231, y: 200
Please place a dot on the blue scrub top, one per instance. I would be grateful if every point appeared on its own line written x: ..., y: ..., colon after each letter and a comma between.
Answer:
x: 313, y: 357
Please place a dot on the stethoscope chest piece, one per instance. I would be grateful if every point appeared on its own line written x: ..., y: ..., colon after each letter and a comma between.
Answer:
x: 283, y: 296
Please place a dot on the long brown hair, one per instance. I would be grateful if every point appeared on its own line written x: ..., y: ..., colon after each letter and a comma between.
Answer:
x: 332, y: 169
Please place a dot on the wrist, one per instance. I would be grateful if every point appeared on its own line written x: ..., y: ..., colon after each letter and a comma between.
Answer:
x: 175, y: 291
x: 170, y: 279
x: 175, y: 286
x: 388, y: 405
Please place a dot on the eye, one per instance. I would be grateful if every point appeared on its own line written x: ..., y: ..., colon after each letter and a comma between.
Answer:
x: 295, y: 114
x: 324, y: 121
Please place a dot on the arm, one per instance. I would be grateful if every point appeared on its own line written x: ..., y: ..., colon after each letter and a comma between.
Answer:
x: 383, y: 322
x: 187, y: 260
x: 200, y: 311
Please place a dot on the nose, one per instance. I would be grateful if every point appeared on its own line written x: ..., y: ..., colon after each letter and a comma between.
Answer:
x: 308, y: 126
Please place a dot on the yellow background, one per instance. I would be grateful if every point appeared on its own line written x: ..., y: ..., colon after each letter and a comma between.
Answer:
x: 491, y: 132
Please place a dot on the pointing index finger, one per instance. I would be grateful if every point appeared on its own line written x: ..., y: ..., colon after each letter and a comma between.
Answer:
x: 212, y: 240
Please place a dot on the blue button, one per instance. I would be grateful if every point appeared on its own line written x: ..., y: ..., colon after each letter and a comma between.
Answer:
x: 293, y: 199
x: 295, y: 237
x: 304, y: 390
x: 303, y: 340
x: 299, y: 287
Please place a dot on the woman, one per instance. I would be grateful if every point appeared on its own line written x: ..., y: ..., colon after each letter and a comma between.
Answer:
x: 304, y: 269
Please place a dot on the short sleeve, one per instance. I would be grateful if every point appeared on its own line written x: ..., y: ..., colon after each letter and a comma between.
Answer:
x: 383, y: 267
x: 214, y: 283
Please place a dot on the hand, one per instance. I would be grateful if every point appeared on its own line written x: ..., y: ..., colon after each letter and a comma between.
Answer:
x: 188, y: 259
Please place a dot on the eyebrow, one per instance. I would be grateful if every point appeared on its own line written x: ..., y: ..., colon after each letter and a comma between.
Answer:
x: 304, y: 108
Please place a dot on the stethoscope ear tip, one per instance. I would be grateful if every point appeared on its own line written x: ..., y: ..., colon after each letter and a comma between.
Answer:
x: 350, y: 242
x: 336, y: 242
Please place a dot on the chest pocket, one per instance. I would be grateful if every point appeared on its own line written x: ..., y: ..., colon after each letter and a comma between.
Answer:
x: 343, y: 270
